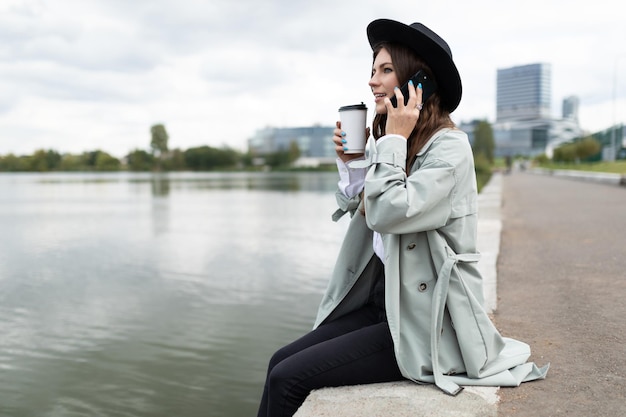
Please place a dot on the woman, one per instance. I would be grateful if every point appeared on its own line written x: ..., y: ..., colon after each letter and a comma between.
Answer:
x: 405, y: 284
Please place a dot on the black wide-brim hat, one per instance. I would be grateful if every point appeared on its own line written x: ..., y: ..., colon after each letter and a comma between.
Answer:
x: 430, y: 47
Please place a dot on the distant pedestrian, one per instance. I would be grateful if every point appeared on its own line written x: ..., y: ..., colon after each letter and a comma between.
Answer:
x: 405, y: 300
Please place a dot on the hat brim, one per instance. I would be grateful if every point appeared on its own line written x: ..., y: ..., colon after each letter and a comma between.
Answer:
x: 424, y: 42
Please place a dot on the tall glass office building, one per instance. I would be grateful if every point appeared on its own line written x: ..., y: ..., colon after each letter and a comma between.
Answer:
x: 524, y: 123
x: 524, y: 93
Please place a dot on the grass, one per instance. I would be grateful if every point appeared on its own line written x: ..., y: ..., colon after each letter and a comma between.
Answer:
x: 617, y: 167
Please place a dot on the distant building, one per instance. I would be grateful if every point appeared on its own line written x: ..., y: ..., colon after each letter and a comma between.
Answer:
x: 613, y: 142
x: 570, y: 108
x: 524, y: 93
x: 315, y: 143
x: 524, y: 125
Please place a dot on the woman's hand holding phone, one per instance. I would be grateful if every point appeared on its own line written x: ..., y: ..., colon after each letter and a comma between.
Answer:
x: 401, y: 120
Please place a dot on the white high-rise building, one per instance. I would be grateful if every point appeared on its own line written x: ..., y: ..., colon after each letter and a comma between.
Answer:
x: 524, y: 123
x: 524, y: 93
x: 570, y: 108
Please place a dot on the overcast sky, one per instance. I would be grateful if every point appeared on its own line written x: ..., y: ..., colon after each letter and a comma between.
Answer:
x: 79, y: 75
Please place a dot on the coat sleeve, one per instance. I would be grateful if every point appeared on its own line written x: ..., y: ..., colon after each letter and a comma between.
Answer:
x: 346, y: 205
x: 395, y: 203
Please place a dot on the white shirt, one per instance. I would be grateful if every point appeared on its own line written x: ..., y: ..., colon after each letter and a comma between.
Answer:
x: 351, y: 182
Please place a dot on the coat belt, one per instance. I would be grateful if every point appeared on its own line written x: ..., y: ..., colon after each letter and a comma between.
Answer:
x: 440, y: 294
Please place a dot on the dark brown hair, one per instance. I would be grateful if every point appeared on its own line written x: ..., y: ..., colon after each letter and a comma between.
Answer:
x: 432, y: 117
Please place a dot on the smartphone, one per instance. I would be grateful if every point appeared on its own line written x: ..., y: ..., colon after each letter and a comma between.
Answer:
x: 428, y: 87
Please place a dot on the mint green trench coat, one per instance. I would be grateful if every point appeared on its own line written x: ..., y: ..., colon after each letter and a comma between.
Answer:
x: 433, y: 289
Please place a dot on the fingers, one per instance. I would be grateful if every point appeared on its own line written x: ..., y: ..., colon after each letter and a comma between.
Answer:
x: 415, y: 96
x: 400, y: 96
x: 338, y: 137
x: 402, y: 119
x: 339, y: 140
x: 414, y: 100
x: 420, y: 94
x: 340, y: 143
x: 412, y: 95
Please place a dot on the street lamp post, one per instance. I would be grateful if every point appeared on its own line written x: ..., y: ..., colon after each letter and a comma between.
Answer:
x: 613, y: 127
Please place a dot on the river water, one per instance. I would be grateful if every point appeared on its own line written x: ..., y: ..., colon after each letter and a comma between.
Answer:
x: 128, y: 294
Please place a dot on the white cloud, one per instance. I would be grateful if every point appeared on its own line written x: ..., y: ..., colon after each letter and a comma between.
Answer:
x: 81, y: 75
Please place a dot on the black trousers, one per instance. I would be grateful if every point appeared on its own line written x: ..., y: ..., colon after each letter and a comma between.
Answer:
x: 354, y: 349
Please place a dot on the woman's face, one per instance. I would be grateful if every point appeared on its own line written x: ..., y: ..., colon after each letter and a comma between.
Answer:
x: 383, y: 80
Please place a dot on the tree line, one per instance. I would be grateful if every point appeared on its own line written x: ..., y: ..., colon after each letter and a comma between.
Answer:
x: 158, y: 158
x: 194, y: 159
x: 586, y: 149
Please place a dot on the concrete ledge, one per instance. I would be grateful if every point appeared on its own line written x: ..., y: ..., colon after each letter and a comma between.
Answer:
x: 488, y: 240
x: 408, y: 399
x: 397, y: 399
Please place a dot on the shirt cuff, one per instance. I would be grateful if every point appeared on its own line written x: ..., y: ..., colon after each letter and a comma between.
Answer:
x: 351, y: 180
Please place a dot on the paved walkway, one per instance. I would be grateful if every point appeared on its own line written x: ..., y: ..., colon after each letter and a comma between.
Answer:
x: 562, y: 289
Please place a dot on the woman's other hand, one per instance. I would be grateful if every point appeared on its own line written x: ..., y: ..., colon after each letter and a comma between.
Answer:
x: 340, y: 144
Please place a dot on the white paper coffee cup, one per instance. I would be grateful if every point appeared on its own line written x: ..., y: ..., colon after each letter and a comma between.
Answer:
x: 353, y: 119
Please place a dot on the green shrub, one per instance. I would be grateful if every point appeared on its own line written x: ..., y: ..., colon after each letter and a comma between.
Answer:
x: 483, y: 170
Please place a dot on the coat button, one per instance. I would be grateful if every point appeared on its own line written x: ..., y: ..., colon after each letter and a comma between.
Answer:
x: 411, y: 246
x: 423, y: 287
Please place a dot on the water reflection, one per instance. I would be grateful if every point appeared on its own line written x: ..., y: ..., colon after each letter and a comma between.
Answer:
x: 160, y: 185
x: 247, y: 181
x: 155, y: 294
